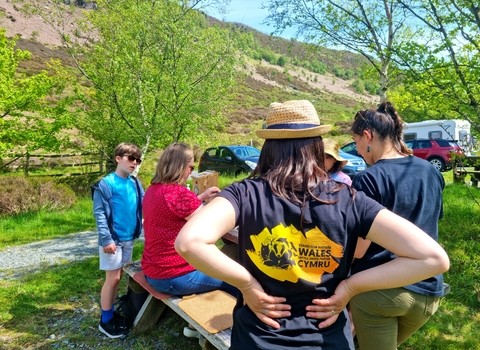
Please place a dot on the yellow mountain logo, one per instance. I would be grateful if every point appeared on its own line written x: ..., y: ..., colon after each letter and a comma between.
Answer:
x: 287, y: 254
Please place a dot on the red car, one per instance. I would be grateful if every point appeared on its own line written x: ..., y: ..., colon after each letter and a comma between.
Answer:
x: 437, y: 151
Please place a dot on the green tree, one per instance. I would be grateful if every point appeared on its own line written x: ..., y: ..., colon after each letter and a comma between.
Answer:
x: 160, y: 72
x: 29, y: 120
x: 442, y: 64
x: 371, y: 28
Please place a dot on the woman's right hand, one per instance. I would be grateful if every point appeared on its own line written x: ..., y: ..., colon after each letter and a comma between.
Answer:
x: 209, y: 193
x: 264, y: 306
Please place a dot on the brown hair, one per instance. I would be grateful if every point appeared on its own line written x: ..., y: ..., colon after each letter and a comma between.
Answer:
x: 337, y: 166
x: 292, y: 167
x: 127, y: 148
x: 172, y: 164
x: 385, y: 122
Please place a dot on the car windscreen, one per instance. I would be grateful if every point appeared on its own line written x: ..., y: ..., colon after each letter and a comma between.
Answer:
x: 246, y: 152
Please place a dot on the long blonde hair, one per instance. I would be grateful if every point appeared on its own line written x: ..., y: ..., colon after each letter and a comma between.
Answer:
x: 172, y: 164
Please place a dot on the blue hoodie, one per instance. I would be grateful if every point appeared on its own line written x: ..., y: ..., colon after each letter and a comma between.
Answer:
x: 103, y: 212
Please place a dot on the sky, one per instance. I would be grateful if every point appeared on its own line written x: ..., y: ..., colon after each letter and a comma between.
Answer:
x: 248, y: 12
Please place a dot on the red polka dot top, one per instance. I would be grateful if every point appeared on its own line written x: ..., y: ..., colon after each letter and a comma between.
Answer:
x: 165, y: 207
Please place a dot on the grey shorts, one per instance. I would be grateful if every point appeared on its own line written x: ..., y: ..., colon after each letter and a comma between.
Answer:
x: 115, y: 261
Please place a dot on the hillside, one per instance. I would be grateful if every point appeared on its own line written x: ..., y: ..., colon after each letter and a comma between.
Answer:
x: 334, y: 98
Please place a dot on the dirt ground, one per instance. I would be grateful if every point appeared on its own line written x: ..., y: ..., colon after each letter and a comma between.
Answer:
x: 328, y: 83
x: 31, y: 28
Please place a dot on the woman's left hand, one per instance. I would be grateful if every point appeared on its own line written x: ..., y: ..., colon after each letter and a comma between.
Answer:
x: 328, y: 309
x: 265, y: 307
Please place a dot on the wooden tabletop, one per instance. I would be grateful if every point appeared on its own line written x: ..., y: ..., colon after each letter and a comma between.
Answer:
x: 232, y: 235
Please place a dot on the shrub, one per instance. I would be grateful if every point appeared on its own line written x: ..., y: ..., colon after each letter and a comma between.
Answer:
x: 19, y: 194
x: 335, y: 133
x: 268, y: 56
x: 349, y: 73
x: 282, y: 61
x: 359, y: 86
x: 80, y: 184
x: 319, y: 67
x: 256, y: 55
x: 338, y: 71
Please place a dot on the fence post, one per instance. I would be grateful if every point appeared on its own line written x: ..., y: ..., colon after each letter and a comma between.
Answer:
x: 456, y: 176
x: 27, y: 161
x: 100, y: 162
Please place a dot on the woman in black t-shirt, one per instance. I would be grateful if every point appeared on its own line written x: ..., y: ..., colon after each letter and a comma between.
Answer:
x: 412, y: 188
x: 297, y: 235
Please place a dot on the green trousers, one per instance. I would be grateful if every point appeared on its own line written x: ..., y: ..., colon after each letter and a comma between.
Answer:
x: 384, y: 319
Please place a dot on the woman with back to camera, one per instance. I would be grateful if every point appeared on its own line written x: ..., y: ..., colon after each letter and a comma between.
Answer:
x: 412, y: 188
x: 167, y: 206
x: 297, y: 236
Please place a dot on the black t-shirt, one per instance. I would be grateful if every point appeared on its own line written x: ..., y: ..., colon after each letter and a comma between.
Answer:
x: 299, y: 261
x: 412, y: 188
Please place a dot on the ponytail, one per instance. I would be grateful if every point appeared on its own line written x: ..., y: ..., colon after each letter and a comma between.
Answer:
x: 385, y: 122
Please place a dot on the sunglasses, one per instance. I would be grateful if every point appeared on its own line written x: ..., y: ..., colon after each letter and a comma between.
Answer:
x: 132, y: 158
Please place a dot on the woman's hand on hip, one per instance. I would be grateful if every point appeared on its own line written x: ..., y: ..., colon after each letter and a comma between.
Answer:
x: 328, y: 309
x: 264, y: 306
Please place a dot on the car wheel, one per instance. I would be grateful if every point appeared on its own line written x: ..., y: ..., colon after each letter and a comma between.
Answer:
x: 438, y: 163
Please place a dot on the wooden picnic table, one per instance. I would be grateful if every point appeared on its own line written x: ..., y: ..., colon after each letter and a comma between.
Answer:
x: 155, y: 303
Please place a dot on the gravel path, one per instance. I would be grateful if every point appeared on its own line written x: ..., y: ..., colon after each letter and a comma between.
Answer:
x: 63, y: 328
x: 19, y: 260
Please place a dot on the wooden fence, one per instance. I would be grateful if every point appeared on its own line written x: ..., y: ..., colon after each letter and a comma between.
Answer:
x: 29, y: 162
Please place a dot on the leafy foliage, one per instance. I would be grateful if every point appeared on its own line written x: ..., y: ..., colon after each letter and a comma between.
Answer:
x: 158, y: 72
x: 28, y: 121
x: 441, y: 69
x: 370, y: 28
x: 159, y: 79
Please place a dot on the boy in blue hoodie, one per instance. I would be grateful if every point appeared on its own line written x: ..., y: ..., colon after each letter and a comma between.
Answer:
x: 117, y: 207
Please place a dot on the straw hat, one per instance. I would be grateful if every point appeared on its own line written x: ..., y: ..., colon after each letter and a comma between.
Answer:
x: 292, y: 120
x: 332, y: 148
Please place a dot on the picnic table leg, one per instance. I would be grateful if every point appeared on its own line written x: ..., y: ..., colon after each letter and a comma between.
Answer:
x: 205, y: 344
x: 148, y: 315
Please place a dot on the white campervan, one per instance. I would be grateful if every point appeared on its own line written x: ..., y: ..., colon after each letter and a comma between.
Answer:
x: 453, y: 129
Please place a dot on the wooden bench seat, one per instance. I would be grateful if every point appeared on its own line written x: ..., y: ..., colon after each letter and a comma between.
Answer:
x: 155, y: 304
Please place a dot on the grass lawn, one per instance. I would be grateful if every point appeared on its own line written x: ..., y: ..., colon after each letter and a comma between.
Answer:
x: 58, y: 307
